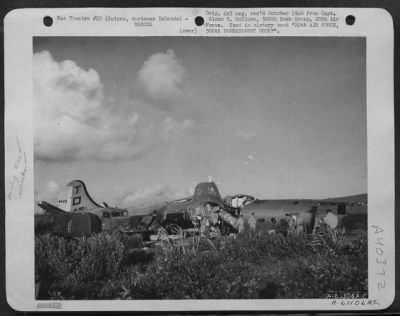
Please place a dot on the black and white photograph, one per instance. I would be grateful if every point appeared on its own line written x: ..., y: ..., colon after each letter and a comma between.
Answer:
x: 200, y: 168
x: 199, y: 159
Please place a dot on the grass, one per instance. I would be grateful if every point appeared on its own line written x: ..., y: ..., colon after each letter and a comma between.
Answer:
x: 248, y: 267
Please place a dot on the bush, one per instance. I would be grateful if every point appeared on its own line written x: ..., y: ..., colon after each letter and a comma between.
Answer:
x: 68, y: 264
x: 258, y: 249
x: 248, y: 267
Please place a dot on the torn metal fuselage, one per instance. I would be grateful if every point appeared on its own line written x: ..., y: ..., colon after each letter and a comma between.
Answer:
x: 205, y: 208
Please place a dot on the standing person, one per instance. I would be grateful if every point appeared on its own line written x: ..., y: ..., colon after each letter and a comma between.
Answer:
x: 252, y: 223
x: 300, y: 224
x: 204, y: 226
x: 214, y: 217
x: 317, y: 223
x: 154, y: 216
x: 240, y: 224
x: 293, y: 224
x: 331, y: 223
x: 154, y: 223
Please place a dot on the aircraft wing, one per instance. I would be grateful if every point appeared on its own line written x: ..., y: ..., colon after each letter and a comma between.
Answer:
x: 50, y: 208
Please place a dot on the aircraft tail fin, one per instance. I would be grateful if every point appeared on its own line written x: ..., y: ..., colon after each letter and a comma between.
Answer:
x: 75, y: 197
x: 207, y: 192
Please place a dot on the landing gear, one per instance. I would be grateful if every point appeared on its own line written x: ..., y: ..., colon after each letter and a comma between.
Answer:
x: 174, y: 229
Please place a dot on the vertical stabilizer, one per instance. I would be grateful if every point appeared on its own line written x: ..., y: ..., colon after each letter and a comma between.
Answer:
x: 74, y: 197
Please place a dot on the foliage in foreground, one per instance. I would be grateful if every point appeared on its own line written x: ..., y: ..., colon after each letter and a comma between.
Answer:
x: 247, y: 267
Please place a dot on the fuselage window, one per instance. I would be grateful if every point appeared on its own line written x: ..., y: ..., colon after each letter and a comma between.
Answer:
x: 273, y: 220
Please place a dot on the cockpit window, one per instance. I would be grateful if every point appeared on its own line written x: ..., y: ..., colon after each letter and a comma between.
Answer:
x: 106, y: 215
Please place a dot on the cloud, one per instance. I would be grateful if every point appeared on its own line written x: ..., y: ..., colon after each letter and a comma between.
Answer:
x: 72, y: 121
x: 162, y: 76
x: 49, y: 193
x: 81, y: 90
x: 173, y: 127
x: 246, y: 135
x: 154, y: 193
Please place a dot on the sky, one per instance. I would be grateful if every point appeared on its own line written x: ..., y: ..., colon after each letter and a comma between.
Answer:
x: 143, y: 119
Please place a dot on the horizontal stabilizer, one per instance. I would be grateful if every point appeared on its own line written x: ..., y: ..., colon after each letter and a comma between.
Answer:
x: 50, y: 208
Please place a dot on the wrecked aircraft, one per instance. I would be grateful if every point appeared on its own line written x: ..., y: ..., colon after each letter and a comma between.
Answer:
x: 187, y: 213
x: 276, y: 215
x: 75, y: 199
x: 203, y: 210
